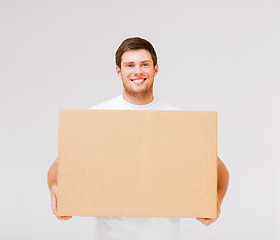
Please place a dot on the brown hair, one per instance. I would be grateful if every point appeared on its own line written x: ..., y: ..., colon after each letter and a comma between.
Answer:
x: 135, y: 43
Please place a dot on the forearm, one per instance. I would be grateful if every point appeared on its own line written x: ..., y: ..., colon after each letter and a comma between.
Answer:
x: 52, y: 174
x: 223, y: 180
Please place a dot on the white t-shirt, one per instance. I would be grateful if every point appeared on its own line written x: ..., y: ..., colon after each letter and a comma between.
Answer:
x: 136, y: 228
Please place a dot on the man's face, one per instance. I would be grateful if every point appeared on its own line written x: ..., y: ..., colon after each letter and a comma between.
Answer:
x: 137, y: 72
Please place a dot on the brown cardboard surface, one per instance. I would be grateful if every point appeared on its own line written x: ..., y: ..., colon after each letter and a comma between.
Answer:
x: 137, y: 163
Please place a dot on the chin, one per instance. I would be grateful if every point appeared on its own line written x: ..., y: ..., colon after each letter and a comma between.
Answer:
x: 140, y: 93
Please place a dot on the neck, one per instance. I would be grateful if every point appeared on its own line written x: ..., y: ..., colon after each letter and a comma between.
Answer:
x: 138, y: 99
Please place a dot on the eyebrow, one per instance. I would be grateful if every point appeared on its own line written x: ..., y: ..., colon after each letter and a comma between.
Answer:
x: 141, y: 61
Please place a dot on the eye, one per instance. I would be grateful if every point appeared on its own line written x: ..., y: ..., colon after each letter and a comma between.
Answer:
x: 145, y: 64
x: 129, y: 65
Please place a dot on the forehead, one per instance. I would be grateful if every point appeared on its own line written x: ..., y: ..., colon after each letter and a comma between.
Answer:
x: 136, y: 55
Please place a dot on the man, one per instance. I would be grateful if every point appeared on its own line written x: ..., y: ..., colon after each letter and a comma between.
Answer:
x: 136, y: 66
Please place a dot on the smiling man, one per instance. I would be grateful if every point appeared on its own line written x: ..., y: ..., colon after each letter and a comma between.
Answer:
x: 137, y: 70
x: 136, y: 66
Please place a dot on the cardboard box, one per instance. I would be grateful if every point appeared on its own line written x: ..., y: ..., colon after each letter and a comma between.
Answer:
x: 137, y: 163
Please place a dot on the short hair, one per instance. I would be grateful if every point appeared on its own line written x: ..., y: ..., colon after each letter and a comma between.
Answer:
x: 135, y: 43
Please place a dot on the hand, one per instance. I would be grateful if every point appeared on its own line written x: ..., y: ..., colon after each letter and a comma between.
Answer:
x: 54, y: 203
x: 208, y: 221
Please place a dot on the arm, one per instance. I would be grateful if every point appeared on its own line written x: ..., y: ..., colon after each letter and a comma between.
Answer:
x: 52, y: 182
x: 223, y: 179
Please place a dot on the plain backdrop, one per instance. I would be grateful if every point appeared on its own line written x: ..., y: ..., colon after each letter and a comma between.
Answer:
x: 213, y: 55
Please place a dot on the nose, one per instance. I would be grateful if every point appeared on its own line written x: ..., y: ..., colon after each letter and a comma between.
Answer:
x: 138, y: 69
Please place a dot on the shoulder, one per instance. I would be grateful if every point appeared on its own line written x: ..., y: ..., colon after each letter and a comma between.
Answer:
x: 108, y: 104
x: 161, y: 105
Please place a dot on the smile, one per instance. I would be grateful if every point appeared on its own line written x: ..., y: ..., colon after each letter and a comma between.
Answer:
x: 138, y: 80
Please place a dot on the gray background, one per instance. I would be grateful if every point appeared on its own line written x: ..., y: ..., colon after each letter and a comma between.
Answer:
x: 213, y: 55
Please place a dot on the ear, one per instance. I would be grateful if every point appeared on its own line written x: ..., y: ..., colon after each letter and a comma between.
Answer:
x: 118, y: 70
x: 156, y: 70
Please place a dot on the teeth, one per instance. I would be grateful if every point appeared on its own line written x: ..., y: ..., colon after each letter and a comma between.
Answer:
x: 138, y: 81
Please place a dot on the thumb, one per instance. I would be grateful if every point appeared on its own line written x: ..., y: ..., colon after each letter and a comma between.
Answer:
x: 54, y: 203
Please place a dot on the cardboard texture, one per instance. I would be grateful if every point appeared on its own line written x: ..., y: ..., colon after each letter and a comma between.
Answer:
x: 137, y: 163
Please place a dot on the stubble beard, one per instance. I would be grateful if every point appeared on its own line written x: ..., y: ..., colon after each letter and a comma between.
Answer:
x: 143, y: 94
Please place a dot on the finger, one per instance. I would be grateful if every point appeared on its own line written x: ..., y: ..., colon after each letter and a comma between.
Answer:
x: 210, y: 222
x: 63, y: 217
x: 206, y: 221
x: 202, y: 219
x: 219, y: 213
x: 54, y: 201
